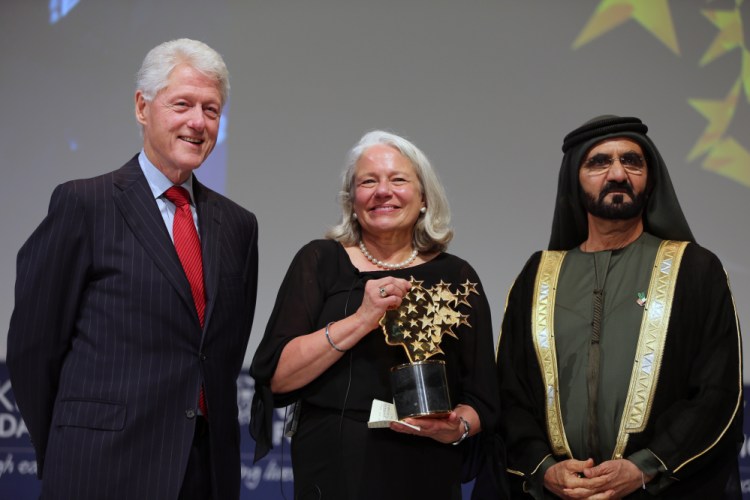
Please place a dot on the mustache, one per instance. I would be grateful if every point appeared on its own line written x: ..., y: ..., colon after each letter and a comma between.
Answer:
x: 614, y: 186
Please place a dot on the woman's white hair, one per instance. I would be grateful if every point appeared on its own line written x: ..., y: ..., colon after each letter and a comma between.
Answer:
x: 162, y: 59
x: 432, y: 232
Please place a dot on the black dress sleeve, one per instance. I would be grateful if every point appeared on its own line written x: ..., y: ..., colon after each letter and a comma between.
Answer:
x: 295, y: 313
x: 478, y: 385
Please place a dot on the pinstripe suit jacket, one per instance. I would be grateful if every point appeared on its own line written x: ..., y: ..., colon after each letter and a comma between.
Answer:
x: 105, y: 350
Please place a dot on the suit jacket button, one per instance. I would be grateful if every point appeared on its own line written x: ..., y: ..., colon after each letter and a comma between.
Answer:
x: 190, y: 413
x: 203, y: 357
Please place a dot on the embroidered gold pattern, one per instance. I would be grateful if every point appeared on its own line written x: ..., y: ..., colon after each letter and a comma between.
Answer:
x: 542, y: 327
x: 651, y: 340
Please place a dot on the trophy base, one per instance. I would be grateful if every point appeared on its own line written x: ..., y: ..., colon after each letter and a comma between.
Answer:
x: 420, y: 389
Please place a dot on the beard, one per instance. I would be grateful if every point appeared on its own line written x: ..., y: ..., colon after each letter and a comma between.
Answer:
x: 618, y: 208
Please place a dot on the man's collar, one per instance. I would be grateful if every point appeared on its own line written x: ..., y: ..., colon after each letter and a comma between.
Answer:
x: 157, y: 181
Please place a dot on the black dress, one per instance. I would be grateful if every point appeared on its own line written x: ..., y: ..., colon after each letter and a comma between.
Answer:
x: 334, y: 454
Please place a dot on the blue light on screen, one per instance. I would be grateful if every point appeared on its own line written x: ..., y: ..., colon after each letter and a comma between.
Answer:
x: 59, y: 9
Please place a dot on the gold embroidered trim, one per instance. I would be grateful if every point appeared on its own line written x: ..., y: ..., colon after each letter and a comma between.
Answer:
x: 542, y: 331
x: 651, y: 340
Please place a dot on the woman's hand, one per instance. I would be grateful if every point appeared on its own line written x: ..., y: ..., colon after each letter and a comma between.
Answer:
x: 304, y: 358
x: 445, y: 430
x: 381, y: 295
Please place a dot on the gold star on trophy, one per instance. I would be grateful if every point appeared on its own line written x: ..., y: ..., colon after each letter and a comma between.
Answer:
x: 420, y: 387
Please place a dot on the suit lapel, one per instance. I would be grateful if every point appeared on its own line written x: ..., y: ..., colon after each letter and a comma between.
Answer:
x: 138, y: 207
x: 209, y: 220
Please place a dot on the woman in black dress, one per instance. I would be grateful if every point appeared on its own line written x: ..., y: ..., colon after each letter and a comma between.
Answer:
x: 323, y: 347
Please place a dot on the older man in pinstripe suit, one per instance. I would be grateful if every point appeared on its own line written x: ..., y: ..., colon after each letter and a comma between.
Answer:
x: 114, y: 339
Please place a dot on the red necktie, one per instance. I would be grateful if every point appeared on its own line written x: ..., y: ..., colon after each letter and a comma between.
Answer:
x: 188, y: 247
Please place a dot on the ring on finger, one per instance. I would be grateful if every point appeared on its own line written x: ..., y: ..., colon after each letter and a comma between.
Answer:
x: 383, y: 293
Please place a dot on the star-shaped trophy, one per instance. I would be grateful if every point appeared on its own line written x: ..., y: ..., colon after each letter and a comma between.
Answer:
x: 420, y: 387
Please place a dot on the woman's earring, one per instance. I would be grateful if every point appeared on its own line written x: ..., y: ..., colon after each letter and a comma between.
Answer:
x: 423, y: 209
x: 354, y: 216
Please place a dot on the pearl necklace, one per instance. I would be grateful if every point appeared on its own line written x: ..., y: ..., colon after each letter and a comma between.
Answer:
x: 386, y: 265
